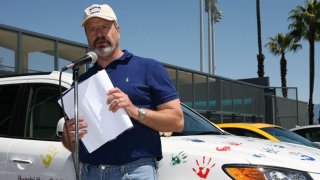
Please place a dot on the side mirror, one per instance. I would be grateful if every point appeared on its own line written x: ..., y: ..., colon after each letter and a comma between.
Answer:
x: 59, y: 129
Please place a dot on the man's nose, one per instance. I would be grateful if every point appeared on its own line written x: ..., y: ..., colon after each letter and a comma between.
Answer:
x: 99, y: 31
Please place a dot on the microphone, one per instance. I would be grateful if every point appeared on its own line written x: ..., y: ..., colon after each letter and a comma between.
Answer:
x: 89, y: 58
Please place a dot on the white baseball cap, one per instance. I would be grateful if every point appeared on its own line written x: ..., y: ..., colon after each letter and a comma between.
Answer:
x: 102, y: 11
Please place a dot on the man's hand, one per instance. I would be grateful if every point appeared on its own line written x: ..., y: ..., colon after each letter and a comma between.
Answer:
x: 118, y: 99
x: 69, y: 143
x: 168, y: 117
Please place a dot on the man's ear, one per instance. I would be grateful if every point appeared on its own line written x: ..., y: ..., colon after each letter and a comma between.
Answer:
x: 85, y: 32
x: 118, y: 30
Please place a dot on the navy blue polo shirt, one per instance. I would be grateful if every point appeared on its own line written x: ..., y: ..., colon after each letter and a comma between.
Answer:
x: 148, y: 85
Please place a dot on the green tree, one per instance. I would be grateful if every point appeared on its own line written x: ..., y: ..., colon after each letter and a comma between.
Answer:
x: 280, y: 45
x: 260, y: 56
x: 305, y: 25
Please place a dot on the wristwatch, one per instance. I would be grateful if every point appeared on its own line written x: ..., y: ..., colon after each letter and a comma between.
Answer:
x: 142, y: 113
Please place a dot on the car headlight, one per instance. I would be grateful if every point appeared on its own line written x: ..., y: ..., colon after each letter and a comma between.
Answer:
x: 247, y: 172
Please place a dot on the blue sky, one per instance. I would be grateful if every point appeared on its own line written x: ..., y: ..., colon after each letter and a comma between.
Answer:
x: 168, y: 30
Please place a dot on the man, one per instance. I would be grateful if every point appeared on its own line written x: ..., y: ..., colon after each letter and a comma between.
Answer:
x: 143, y: 89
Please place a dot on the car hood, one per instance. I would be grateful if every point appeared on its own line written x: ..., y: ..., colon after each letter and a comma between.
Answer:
x: 230, y: 149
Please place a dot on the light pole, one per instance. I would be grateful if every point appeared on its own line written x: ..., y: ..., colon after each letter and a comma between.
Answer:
x: 201, y: 37
x: 209, y: 9
x: 214, y: 15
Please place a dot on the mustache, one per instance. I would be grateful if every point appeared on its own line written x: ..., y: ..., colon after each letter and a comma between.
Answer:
x: 102, y: 38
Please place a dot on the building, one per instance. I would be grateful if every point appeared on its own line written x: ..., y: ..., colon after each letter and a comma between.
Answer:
x: 219, y: 99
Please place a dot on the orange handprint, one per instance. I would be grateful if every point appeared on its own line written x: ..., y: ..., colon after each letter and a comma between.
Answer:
x: 204, y: 169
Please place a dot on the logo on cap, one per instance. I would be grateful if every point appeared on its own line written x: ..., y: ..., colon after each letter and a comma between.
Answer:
x: 95, y: 9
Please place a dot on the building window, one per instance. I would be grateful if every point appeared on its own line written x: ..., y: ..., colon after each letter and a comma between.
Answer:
x: 37, y: 54
x: 8, y: 48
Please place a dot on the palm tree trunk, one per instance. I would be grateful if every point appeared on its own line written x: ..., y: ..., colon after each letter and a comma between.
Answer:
x: 260, y: 56
x: 283, y: 69
x: 311, y: 80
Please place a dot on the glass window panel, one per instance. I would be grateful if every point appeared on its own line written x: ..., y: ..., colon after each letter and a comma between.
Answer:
x: 38, y: 54
x: 258, y: 95
x: 185, y: 88
x: 292, y: 93
x: 68, y: 53
x: 237, y: 97
x: 45, y: 112
x: 39, y: 61
x: 214, y: 94
x: 226, y: 87
x: 247, y: 100
x: 201, y: 91
x: 173, y: 75
x: 8, y: 47
x: 8, y: 96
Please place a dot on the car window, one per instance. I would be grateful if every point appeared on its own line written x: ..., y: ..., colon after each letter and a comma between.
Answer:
x: 288, y: 136
x: 312, y: 134
x: 244, y: 132
x: 44, y: 112
x: 195, y: 124
x: 8, y: 96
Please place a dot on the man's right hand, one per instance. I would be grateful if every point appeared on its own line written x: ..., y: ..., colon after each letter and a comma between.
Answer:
x: 71, y: 129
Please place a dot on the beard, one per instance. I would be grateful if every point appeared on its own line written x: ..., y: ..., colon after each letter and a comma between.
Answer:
x: 103, y: 51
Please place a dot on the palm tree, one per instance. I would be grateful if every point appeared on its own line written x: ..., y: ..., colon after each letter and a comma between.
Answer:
x: 305, y: 25
x: 280, y: 45
x: 260, y: 56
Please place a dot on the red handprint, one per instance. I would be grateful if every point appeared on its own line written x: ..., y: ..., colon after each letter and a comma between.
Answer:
x: 225, y: 148
x: 204, y: 169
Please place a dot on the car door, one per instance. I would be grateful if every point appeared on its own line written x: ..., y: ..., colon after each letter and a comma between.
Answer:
x: 8, y: 102
x: 37, y: 153
x: 4, y: 144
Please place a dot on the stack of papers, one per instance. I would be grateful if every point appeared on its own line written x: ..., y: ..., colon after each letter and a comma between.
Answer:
x: 103, y: 125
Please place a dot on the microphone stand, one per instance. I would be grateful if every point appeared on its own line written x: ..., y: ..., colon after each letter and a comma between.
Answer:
x: 91, y: 57
x: 76, y: 149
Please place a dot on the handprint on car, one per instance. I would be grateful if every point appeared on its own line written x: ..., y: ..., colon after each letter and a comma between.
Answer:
x: 270, y: 150
x: 203, y: 169
x: 233, y: 143
x: 51, y: 153
x: 307, y: 158
x: 179, y: 158
x: 225, y: 148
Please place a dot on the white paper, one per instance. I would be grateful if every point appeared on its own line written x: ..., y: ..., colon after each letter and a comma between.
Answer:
x: 103, y: 125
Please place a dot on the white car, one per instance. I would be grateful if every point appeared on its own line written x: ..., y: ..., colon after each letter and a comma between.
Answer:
x: 311, y: 132
x: 31, y: 150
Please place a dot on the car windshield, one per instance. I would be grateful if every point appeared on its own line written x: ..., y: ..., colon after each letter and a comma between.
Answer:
x: 195, y: 124
x: 288, y: 136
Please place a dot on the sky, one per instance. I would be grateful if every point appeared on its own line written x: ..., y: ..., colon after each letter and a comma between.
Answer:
x: 169, y: 31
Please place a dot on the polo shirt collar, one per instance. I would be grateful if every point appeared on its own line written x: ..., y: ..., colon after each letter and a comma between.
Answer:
x: 126, y: 54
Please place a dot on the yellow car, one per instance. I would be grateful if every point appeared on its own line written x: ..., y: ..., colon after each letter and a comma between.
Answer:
x: 266, y: 131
